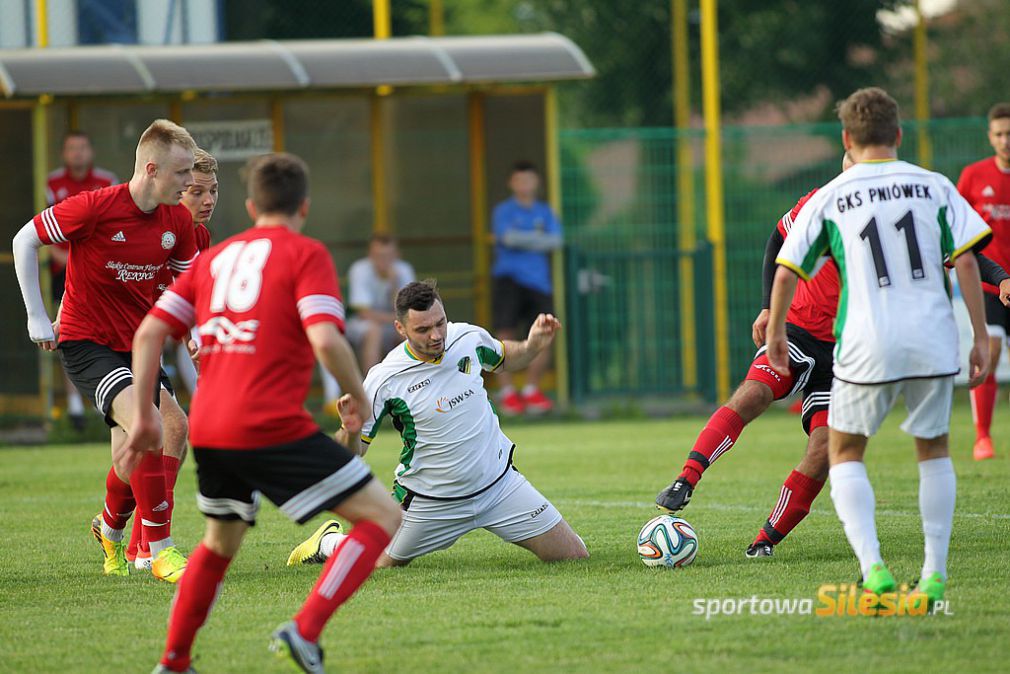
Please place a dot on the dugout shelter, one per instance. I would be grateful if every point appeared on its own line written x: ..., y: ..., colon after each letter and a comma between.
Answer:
x: 413, y: 136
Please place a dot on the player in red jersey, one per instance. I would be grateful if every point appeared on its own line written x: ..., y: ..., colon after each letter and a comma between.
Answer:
x: 78, y: 174
x: 120, y: 238
x: 265, y: 301
x: 810, y: 331
x: 810, y: 320
x: 200, y: 199
x: 986, y: 186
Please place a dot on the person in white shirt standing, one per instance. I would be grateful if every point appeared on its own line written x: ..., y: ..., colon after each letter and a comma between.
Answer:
x: 890, y: 226
x: 372, y: 283
x: 455, y: 472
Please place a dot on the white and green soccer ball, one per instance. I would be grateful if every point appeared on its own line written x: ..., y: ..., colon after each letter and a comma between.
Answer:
x: 667, y: 541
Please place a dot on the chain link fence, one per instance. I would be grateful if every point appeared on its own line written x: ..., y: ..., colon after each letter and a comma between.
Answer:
x: 625, y: 271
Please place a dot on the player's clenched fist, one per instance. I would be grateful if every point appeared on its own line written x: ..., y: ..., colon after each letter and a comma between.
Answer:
x: 350, y: 416
x: 543, y: 330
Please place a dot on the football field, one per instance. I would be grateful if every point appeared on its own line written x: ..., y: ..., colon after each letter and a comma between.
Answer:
x: 486, y: 606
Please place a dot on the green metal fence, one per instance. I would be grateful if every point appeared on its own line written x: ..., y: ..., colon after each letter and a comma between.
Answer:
x: 623, y: 254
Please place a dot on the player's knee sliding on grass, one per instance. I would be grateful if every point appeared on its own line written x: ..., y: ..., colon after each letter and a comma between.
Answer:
x: 456, y: 472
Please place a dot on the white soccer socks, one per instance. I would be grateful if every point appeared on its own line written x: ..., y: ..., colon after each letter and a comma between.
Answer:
x: 856, y: 505
x: 329, y: 543
x: 937, y: 493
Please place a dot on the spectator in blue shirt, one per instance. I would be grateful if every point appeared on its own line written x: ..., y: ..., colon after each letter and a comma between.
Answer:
x: 526, y: 231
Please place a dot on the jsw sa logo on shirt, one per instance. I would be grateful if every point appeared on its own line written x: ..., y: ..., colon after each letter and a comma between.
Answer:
x: 446, y: 404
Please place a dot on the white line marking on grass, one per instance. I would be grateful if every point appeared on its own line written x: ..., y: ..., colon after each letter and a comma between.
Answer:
x: 744, y: 508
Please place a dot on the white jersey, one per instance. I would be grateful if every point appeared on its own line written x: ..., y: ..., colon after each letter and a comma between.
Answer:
x: 367, y: 290
x: 890, y: 226
x: 452, y: 443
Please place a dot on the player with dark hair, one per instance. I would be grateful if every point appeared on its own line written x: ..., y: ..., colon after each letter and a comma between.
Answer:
x: 266, y: 304
x: 120, y: 238
x: 455, y: 472
x: 526, y: 231
x: 986, y: 186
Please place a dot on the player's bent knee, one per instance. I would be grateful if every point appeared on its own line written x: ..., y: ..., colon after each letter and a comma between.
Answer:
x: 751, y: 399
x: 386, y: 562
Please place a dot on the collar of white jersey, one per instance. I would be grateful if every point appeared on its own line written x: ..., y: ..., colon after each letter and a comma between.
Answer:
x: 413, y: 356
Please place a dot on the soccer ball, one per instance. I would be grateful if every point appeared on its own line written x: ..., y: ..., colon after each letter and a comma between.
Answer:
x: 667, y: 541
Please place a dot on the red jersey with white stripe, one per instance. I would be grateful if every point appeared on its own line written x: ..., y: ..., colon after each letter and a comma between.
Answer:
x: 816, y: 301
x: 61, y: 185
x: 165, y: 278
x: 986, y: 187
x: 251, y: 297
x: 116, y: 253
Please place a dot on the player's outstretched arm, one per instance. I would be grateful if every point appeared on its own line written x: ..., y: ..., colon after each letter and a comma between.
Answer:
x: 336, y: 355
x: 26, y: 246
x: 970, y: 283
x: 144, y: 434
x: 783, y: 290
x: 518, y: 355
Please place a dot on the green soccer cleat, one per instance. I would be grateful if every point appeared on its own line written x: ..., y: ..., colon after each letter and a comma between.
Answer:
x: 115, y: 563
x: 169, y: 565
x: 934, y: 586
x: 879, y: 580
x: 308, y: 551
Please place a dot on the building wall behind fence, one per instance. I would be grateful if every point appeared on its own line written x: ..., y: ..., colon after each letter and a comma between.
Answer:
x: 620, y: 198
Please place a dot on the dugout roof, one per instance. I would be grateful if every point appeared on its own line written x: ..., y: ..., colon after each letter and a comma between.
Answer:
x: 270, y: 65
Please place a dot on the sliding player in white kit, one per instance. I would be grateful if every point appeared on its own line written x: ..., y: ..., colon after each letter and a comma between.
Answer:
x: 889, y: 226
x: 455, y: 473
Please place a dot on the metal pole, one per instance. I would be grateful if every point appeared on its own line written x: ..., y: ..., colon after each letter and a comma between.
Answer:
x: 713, y: 189
x: 922, y: 90
x: 685, y: 192
x: 381, y: 19
x: 436, y: 18
x: 383, y: 29
x: 553, y: 176
x: 477, y: 151
x: 40, y: 171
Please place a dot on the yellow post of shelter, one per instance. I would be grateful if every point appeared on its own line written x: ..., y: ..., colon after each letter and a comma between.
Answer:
x: 686, y: 240
x: 714, y: 189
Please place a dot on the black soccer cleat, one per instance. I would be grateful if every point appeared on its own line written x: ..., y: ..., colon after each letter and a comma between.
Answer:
x: 761, y: 549
x: 676, y: 496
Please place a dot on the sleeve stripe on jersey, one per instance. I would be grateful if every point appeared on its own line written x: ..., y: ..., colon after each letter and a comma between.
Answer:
x: 787, y: 221
x: 310, y: 305
x: 793, y: 267
x: 180, y: 265
x: 174, y: 304
x: 52, y: 227
x: 971, y: 244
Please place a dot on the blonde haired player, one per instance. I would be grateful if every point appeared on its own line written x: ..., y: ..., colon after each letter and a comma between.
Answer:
x: 200, y: 199
x: 120, y: 238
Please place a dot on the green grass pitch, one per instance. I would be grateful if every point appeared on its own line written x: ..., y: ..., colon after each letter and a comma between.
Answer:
x: 486, y: 606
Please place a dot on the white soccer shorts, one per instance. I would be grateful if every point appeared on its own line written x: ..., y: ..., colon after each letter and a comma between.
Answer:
x: 513, y: 510
x: 859, y: 409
